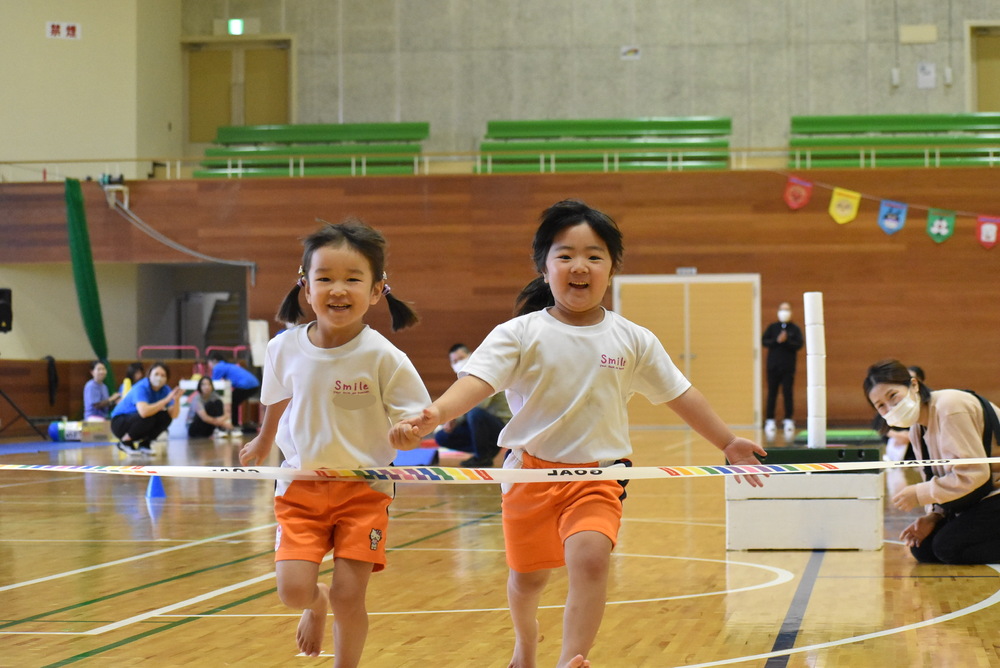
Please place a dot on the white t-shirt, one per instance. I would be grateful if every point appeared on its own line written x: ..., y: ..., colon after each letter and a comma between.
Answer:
x: 568, y: 386
x: 343, y: 399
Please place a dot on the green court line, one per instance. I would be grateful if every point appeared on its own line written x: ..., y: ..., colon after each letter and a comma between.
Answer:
x: 83, y: 604
x: 171, y: 625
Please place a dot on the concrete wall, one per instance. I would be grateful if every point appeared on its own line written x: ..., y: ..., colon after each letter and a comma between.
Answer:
x: 460, y: 63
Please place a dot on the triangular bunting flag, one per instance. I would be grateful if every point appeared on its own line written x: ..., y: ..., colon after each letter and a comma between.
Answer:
x: 844, y: 205
x: 986, y: 231
x: 797, y: 193
x: 891, y: 216
x: 940, y: 224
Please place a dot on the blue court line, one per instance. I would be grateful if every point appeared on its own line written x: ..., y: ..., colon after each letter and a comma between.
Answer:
x: 796, y: 611
x: 46, y: 446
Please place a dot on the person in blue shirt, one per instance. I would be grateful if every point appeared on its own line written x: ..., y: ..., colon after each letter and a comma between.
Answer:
x: 244, y: 383
x: 146, y: 411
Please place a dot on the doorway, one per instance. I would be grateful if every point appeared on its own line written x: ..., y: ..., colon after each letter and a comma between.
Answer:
x: 983, y: 67
x: 236, y: 83
x: 710, y: 327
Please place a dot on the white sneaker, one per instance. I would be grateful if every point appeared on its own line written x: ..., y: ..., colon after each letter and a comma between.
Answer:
x: 236, y: 433
x: 770, y: 429
x: 788, y: 426
x: 218, y: 433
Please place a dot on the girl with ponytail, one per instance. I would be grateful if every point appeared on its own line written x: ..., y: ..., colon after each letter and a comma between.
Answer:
x: 331, y: 387
x: 568, y: 367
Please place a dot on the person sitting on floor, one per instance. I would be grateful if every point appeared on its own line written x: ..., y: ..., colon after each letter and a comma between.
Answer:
x: 477, y: 431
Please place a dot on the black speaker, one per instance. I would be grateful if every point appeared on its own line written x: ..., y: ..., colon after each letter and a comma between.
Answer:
x: 6, y: 310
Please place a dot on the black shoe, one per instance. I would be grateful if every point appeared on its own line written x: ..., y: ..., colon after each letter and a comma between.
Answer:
x: 477, y: 463
x: 126, y: 447
x: 146, y: 447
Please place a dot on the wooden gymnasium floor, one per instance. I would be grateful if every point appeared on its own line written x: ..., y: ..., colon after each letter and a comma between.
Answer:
x: 91, y: 574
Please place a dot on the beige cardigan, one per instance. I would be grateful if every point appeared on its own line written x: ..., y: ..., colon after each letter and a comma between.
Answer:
x: 954, y: 430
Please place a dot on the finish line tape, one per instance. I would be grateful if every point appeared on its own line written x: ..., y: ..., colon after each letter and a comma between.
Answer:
x: 443, y: 474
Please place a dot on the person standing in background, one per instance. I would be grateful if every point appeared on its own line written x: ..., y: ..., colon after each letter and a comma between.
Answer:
x: 782, y: 340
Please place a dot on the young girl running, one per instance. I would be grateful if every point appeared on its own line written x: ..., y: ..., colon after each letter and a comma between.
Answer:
x: 332, y: 388
x: 569, y: 367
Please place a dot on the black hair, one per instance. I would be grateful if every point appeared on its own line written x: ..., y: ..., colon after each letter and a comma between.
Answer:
x: 166, y: 369
x: 365, y: 240
x: 93, y: 365
x: 133, y: 368
x: 216, y: 356
x: 458, y: 346
x: 568, y: 213
x: 895, y: 373
x: 917, y: 371
x: 203, y: 379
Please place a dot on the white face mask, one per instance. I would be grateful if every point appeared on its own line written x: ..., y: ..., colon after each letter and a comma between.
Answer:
x: 784, y: 315
x: 458, y: 366
x: 904, y: 414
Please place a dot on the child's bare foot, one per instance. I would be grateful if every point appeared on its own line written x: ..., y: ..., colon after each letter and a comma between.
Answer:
x: 312, y: 625
x: 524, y: 652
x: 578, y: 662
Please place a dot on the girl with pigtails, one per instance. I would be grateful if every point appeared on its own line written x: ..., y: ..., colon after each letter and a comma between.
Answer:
x: 569, y: 367
x: 332, y: 388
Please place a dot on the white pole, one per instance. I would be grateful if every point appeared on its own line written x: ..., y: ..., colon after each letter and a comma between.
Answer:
x: 815, y: 369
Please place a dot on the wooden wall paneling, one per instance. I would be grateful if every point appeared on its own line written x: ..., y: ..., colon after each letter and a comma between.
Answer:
x: 460, y: 250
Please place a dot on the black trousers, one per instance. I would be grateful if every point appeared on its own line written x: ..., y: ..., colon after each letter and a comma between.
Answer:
x: 139, y: 428
x: 239, y: 396
x: 785, y: 379
x: 971, y: 537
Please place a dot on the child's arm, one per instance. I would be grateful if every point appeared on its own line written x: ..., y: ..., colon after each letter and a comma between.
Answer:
x: 259, y: 448
x: 693, y: 408
x: 463, y: 395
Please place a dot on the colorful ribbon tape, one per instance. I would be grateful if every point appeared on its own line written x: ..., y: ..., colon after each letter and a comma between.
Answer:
x: 444, y: 474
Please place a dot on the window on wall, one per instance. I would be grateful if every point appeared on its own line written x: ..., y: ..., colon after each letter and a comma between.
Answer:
x: 244, y: 83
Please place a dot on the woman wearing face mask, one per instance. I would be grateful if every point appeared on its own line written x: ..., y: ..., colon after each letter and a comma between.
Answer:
x: 961, y: 524
x: 146, y: 411
x: 782, y: 340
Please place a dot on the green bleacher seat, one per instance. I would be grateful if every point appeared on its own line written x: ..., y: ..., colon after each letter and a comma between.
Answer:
x: 895, y: 140
x: 348, y: 149
x: 610, y: 145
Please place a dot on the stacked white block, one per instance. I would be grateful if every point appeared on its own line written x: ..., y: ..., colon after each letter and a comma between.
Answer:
x: 815, y: 369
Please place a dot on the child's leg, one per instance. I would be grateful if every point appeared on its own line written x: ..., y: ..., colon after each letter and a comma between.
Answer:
x: 350, y: 616
x: 588, y: 556
x: 298, y: 588
x: 523, y: 593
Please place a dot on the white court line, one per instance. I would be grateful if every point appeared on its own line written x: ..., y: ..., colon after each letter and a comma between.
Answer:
x: 137, y: 557
x: 975, y: 607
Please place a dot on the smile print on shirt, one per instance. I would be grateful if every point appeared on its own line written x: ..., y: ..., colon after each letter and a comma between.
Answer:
x: 352, y: 394
x: 610, y: 362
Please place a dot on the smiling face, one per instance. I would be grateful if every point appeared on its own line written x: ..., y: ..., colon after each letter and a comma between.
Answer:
x: 578, y: 269
x: 885, y: 396
x: 340, y: 291
x: 99, y: 372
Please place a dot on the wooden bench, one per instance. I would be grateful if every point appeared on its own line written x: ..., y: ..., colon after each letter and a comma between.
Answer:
x: 605, y: 145
x: 348, y: 149
x: 895, y: 140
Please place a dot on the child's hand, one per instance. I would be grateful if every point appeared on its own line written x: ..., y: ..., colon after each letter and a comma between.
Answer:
x: 254, y: 452
x: 741, y: 451
x: 407, y: 434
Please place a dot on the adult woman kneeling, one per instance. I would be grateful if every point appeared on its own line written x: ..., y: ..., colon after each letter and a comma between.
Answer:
x: 961, y: 524
x: 146, y: 411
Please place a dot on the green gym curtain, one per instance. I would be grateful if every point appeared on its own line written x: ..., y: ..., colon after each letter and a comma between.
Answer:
x: 84, y: 276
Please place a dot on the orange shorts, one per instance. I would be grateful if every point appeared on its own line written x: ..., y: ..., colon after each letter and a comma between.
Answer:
x: 539, y: 517
x: 315, y: 516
